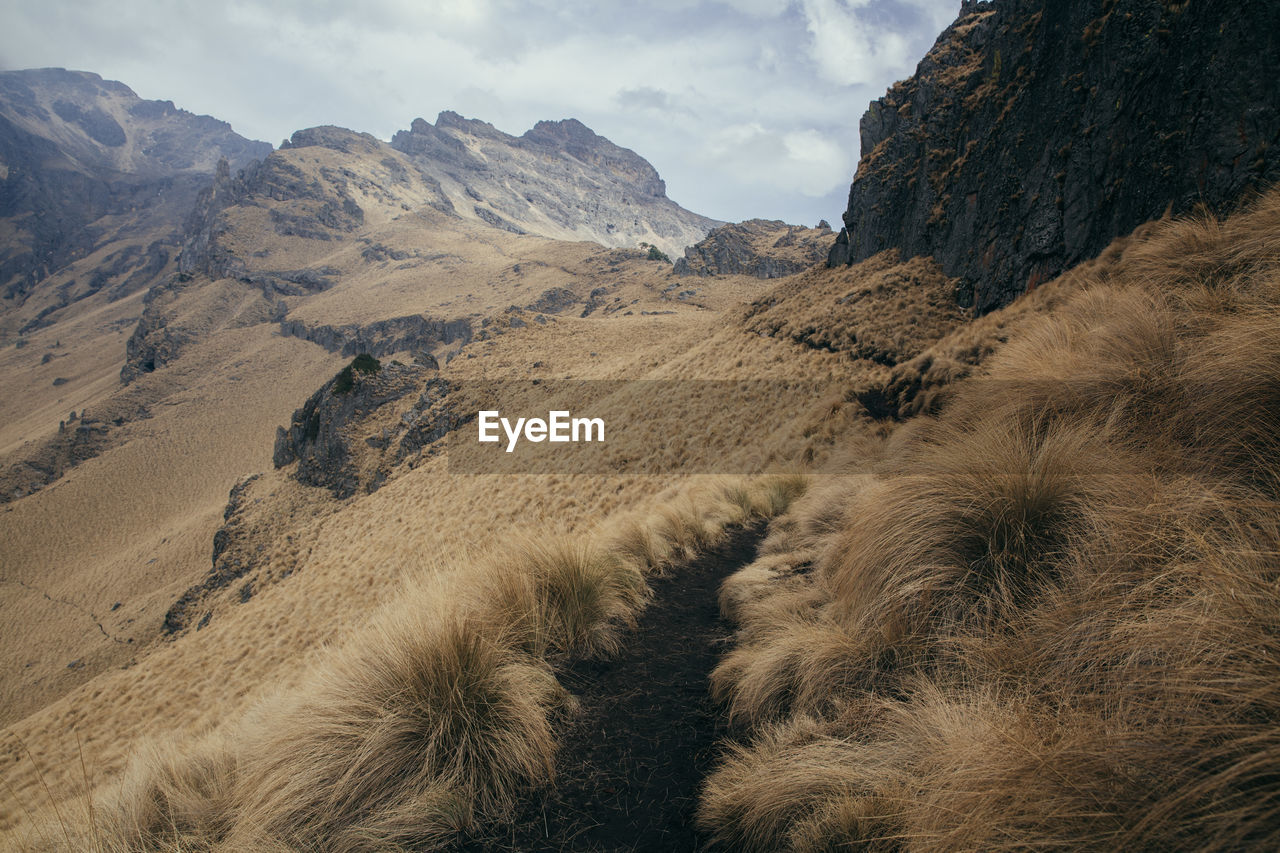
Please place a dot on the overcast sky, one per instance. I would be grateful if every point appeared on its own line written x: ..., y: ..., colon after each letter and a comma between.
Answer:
x: 747, y: 108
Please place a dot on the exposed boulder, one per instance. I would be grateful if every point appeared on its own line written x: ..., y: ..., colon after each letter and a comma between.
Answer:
x: 758, y: 247
x: 349, y: 433
x: 152, y: 344
x: 554, y: 300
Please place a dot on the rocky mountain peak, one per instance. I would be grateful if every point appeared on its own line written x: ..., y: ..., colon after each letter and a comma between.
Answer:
x: 332, y: 137
x: 86, y: 164
x: 96, y: 124
x: 559, y: 179
x: 448, y: 119
x: 575, y: 139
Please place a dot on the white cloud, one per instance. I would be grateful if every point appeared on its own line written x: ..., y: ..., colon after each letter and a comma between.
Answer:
x: 847, y: 47
x: 816, y: 163
x: 804, y: 162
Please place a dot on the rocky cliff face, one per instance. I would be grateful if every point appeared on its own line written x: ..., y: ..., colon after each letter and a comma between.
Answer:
x: 559, y: 179
x: 84, y: 164
x: 758, y: 247
x: 1035, y: 132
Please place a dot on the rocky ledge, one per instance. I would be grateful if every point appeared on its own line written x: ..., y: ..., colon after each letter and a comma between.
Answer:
x: 350, y: 433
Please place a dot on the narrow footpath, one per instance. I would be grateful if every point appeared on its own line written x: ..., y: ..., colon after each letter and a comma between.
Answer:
x: 631, y: 763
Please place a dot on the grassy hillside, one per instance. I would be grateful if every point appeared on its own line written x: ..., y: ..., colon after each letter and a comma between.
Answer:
x: 1046, y: 617
x: 1024, y: 600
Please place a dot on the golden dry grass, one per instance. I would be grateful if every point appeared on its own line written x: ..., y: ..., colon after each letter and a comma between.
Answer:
x: 883, y: 309
x: 324, y: 566
x: 561, y: 596
x: 1049, y: 618
x: 437, y: 713
x: 1048, y: 610
x: 428, y: 718
x: 134, y: 525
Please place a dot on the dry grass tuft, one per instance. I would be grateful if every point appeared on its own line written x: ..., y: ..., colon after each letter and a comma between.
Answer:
x: 781, y: 788
x: 690, y: 525
x: 176, y: 796
x: 401, y: 739
x: 637, y: 543
x: 562, y: 597
x: 439, y: 713
x: 795, y: 662
x: 699, y: 518
x: 761, y: 580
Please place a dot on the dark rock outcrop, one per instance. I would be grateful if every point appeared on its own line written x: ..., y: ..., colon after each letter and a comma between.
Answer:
x: 320, y: 212
x: 1035, y: 132
x: 229, y: 562
x: 758, y: 247
x: 200, y: 250
x: 338, y: 442
x: 152, y: 344
x: 415, y: 334
x: 430, y: 419
x: 77, y: 440
x: 554, y: 300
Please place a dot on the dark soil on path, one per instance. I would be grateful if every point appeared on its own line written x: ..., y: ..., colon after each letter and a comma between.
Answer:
x: 631, y: 763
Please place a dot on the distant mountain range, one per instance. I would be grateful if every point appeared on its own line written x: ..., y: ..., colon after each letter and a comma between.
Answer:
x: 90, y: 169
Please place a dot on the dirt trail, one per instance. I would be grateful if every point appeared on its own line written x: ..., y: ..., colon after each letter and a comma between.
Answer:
x: 631, y: 763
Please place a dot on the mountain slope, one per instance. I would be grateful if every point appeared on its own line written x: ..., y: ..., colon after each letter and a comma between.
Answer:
x: 1045, y: 536
x: 86, y: 165
x: 335, y: 241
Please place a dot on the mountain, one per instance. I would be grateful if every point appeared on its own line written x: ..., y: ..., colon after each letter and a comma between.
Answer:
x: 334, y: 206
x: 1033, y: 133
x: 110, y: 197
x: 260, y: 593
x: 138, y: 396
x: 559, y: 179
x: 89, y: 168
